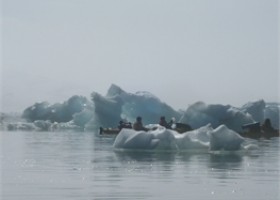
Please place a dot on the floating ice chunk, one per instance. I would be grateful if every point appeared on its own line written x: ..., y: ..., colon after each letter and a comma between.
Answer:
x: 195, y: 139
x: 203, y: 138
x: 223, y: 138
x: 130, y: 139
x: 202, y: 134
x: 166, y: 137
x: 161, y: 139
x: 20, y: 126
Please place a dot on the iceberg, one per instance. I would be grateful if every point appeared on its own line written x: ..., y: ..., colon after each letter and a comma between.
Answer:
x: 255, y: 109
x: 201, y: 114
x: 84, y: 114
x: 139, y: 140
x: 119, y: 105
x: 143, y: 104
x: 107, y: 111
x: 57, y: 112
x: 223, y: 138
x: 205, y: 138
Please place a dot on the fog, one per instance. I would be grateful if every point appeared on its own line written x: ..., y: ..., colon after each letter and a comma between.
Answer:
x: 181, y: 51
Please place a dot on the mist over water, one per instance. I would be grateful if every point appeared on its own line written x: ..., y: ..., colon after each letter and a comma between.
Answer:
x: 197, y: 56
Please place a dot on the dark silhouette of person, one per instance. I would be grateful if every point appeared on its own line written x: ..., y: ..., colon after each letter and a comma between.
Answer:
x: 266, y: 126
x: 267, y: 129
x: 163, y: 122
x: 172, y: 123
x: 138, y: 126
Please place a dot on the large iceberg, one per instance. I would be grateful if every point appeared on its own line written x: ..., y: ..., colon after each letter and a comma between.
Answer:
x: 107, y: 111
x: 142, y: 103
x: 80, y: 113
x: 119, y: 105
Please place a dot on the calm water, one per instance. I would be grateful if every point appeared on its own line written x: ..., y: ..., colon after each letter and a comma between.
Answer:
x: 82, y: 166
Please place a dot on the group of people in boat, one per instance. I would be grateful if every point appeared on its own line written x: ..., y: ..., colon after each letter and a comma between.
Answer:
x: 138, y: 125
x: 258, y: 130
x: 267, y: 129
x: 255, y: 130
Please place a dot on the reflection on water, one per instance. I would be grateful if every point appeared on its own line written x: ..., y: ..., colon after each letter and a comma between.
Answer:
x: 85, y: 166
x: 145, y: 156
x: 228, y: 161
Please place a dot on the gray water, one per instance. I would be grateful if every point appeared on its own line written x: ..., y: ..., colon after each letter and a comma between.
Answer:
x: 84, y: 166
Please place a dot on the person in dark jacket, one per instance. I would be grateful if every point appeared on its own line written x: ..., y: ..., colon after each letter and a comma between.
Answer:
x: 138, y: 126
x: 163, y: 122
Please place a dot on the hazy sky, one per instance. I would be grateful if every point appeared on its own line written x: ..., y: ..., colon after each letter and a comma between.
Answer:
x: 182, y: 51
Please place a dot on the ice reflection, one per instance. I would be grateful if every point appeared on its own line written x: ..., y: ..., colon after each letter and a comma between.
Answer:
x: 228, y: 161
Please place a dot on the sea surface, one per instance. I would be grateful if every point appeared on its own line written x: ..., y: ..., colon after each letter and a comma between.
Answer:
x: 84, y: 166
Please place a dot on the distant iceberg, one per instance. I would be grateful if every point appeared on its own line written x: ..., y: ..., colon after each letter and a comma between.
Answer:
x: 80, y: 113
x: 200, y: 114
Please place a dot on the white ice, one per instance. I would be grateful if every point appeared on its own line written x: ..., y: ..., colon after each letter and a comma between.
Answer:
x: 204, y: 138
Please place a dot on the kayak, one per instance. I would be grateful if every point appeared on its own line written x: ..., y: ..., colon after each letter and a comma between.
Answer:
x: 108, y: 131
x: 180, y: 128
x: 255, y: 131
